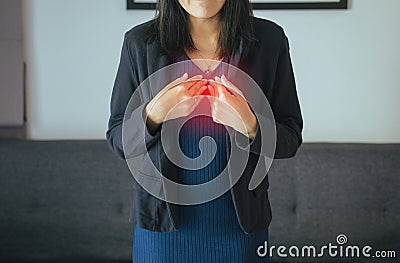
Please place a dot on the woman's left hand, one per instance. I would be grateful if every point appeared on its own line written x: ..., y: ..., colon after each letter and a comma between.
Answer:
x: 231, y: 107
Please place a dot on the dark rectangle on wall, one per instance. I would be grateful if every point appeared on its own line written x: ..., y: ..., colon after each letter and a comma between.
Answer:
x: 261, y: 4
x: 11, y: 69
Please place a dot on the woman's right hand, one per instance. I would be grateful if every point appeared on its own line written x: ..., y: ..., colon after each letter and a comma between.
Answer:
x: 174, y: 94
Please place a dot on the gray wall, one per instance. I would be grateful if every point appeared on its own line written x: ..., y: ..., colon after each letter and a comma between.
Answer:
x: 11, y: 64
x: 346, y: 64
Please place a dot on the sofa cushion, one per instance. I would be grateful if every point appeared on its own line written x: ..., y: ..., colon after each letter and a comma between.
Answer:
x: 64, y: 200
x: 329, y: 189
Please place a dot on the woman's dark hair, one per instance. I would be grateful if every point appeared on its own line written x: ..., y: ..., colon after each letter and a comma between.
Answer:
x: 172, y: 28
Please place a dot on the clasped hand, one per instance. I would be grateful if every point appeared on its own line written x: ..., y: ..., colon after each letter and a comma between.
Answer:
x: 228, y: 104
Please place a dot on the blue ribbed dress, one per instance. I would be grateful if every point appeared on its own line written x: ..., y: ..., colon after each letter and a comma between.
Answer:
x: 208, y: 232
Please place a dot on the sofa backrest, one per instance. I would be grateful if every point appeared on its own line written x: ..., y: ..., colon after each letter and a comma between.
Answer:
x: 71, y: 200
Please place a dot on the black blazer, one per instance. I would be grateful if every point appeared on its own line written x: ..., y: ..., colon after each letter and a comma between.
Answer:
x: 268, y: 63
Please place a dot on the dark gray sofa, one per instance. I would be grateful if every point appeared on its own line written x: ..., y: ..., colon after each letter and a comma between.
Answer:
x: 69, y: 201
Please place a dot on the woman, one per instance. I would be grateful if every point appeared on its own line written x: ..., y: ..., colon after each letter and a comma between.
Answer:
x: 231, y: 227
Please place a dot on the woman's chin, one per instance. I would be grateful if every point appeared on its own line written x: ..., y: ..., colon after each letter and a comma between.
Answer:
x: 203, y: 9
x: 203, y: 13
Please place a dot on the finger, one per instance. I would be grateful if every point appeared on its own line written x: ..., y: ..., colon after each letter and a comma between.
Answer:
x: 222, y: 92
x: 210, y: 98
x: 215, y: 88
x: 231, y: 89
x: 219, y: 81
x: 200, y: 91
x: 179, y: 80
x: 225, y: 81
x: 211, y: 90
x: 230, y: 85
x: 192, y: 89
x: 176, y: 82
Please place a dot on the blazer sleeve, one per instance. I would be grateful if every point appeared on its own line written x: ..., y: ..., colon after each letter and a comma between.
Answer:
x: 286, y: 109
x: 285, y: 106
x: 125, y: 84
